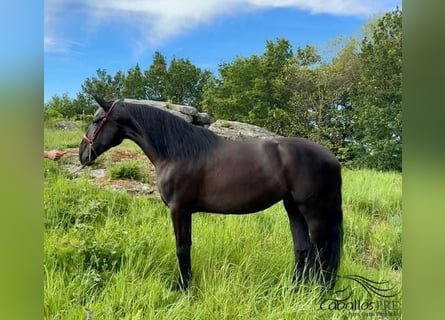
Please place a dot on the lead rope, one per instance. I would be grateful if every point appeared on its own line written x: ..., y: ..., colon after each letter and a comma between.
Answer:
x: 70, y: 174
x: 89, y: 151
x: 90, y: 148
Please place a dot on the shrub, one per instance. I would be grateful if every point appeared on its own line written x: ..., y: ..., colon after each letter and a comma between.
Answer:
x: 51, y: 114
x: 128, y: 171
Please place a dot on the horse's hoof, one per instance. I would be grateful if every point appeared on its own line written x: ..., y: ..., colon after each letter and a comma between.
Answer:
x: 181, y: 286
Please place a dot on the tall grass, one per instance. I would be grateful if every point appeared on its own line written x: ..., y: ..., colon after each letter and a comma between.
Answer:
x: 113, y: 254
x: 62, y: 139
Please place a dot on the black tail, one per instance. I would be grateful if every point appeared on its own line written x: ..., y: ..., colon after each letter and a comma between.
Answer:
x: 335, y: 240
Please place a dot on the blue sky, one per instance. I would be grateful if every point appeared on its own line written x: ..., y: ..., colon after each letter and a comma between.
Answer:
x: 81, y: 36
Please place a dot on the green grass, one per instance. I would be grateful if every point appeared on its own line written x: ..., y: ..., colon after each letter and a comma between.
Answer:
x: 60, y: 139
x: 114, y: 253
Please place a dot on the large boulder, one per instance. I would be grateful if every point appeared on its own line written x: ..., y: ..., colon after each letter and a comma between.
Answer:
x: 239, y: 131
x: 231, y: 130
x: 188, y: 113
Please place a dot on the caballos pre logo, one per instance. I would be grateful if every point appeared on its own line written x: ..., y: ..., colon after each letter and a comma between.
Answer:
x: 383, y: 299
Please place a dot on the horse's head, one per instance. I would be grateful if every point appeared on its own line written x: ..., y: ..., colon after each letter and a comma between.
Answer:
x: 104, y: 133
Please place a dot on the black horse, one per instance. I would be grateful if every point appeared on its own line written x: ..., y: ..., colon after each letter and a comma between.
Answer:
x: 198, y: 171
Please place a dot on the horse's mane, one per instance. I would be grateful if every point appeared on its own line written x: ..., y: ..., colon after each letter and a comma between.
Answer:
x: 172, y: 137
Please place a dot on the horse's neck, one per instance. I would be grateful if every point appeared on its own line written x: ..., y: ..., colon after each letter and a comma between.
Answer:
x: 137, y: 135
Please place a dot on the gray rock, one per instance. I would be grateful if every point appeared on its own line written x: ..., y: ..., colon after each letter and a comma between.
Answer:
x: 239, y: 131
x: 181, y: 115
x: 97, y: 173
x: 66, y: 125
x: 203, y: 119
x: 188, y: 113
x: 188, y: 110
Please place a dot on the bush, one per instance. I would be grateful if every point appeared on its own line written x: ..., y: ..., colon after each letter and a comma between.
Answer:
x: 51, y: 114
x: 128, y: 171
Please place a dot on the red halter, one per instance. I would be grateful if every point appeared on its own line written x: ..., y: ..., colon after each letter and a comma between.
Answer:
x: 101, y: 124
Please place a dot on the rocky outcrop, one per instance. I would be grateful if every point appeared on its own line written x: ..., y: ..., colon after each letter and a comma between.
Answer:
x: 231, y: 130
x: 239, y: 131
x: 188, y: 113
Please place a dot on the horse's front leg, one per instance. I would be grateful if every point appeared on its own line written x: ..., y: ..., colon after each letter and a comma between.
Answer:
x: 182, y: 224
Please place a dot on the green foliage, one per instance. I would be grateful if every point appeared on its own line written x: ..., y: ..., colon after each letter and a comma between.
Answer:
x: 249, y: 87
x: 378, y: 99
x: 183, y: 82
x: 320, y: 100
x: 104, y: 85
x: 293, y: 95
x: 58, y: 108
x: 133, y: 85
x: 351, y: 104
x: 51, y: 114
x: 128, y: 170
x: 157, y: 78
x: 230, y: 96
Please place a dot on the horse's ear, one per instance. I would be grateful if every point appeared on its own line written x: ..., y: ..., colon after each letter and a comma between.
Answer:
x: 104, y: 104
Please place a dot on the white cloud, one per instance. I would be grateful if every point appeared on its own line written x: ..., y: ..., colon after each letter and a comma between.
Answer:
x: 161, y: 20
x: 54, y: 10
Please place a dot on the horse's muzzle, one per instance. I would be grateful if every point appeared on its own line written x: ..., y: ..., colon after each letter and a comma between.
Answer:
x: 86, y: 154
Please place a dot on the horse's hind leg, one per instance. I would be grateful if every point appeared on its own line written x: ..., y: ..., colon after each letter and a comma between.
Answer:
x: 316, y: 255
x: 300, y: 236
x: 325, y: 232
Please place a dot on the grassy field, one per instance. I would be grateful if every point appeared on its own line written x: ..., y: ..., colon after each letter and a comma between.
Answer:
x: 112, y: 254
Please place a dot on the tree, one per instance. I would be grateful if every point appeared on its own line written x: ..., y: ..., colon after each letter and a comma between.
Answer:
x: 56, y: 107
x: 231, y: 96
x: 346, y: 75
x: 251, y: 89
x: 66, y: 108
x: 156, y: 78
x: 82, y: 106
x: 319, y: 106
x: 276, y: 58
x: 377, y: 102
x: 104, y: 85
x: 133, y: 85
x: 184, y: 82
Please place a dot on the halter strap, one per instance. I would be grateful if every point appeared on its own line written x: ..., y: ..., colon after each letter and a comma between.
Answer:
x: 105, y: 118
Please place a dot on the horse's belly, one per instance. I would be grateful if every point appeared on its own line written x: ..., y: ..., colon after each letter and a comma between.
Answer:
x: 243, y: 178
x: 241, y: 207
x: 247, y: 196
